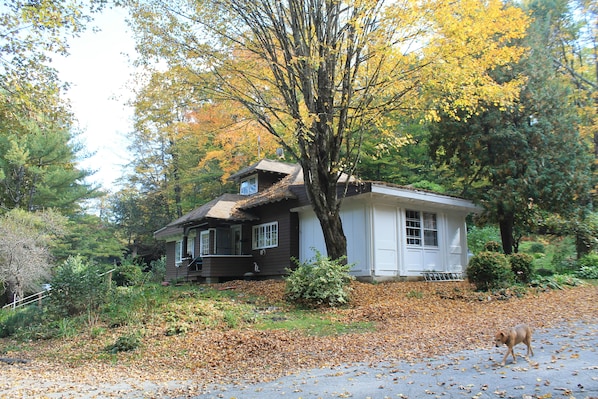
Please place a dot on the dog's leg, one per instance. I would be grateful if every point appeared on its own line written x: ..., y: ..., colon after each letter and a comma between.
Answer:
x: 504, y: 359
x: 529, y: 348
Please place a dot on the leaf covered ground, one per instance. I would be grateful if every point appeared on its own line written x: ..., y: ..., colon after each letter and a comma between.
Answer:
x: 407, y: 321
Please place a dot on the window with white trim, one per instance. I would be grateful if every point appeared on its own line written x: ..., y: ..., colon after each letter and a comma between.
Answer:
x: 249, y: 185
x: 204, y: 243
x: 421, y: 228
x: 265, y: 235
x: 178, y: 252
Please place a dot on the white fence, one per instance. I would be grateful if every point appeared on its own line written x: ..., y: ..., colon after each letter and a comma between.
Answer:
x: 38, y: 297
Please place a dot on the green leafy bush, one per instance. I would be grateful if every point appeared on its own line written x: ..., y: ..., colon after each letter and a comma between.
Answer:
x: 158, y: 269
x: 537, y: 248
x: 124, y: 343
x: 587, y: 272
x: 588, y: 266
x: 490, y: 270
x: 492, y: 246
x: 322, y: 281
x: 589, y: 260
x: 19, y: 321
x: 77, y: 287
x: 522, y: 267
x: 128, y: 273
x: 477, y: 237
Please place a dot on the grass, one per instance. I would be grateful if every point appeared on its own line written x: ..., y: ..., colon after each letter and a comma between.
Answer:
x: 556, y: 255
x: 311, y: 323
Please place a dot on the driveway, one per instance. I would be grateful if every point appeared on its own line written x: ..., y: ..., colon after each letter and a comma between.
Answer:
x: 564, y: 365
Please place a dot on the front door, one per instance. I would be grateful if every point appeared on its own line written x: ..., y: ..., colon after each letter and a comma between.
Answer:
x: 236, y: 237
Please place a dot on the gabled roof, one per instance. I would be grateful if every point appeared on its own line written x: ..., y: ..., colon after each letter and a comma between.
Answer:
x: 278, y: 192
x: 265, y: 165
x: 224, y: 207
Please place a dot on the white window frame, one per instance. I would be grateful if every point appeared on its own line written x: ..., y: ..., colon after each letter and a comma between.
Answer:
x: 421, y: 228
x: 249, y: 185
x: 265, y: 235
x: 204, y: 242
x: 178, y: 252
x: 430, y: 224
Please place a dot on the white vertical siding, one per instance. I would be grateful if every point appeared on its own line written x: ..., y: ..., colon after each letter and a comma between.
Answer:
x: 376, y: 241
x: 386, y: 241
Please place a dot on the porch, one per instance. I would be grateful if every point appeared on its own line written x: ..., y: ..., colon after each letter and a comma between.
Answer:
x: 210, y: 268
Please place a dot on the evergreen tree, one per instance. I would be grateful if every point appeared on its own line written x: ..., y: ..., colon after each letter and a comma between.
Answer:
x: 527, y: 157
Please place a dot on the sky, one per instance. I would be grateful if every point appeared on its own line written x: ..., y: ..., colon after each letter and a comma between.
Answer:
x: 98, y: 70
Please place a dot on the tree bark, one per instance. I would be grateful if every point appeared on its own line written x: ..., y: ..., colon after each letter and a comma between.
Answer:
x: 506, y: 222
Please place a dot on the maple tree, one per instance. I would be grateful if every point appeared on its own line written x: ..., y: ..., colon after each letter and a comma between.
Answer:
x: 315, y: 74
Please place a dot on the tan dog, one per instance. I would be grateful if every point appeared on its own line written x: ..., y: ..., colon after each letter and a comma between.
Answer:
x: 516, y: 335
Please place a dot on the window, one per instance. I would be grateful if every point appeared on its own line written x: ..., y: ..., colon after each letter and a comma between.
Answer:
x: 179, y: 256
x: 265, y: 235
x: 413, y: 224
x: 178, y: 252
x: 421, y: 228
x: 249, y: 185
x: 204, y: 243
x: 430, y: 230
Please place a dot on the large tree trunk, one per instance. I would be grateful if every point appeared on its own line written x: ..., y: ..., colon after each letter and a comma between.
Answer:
x: 321, y: 187
x: 334, y: 236
x: 506, y: 222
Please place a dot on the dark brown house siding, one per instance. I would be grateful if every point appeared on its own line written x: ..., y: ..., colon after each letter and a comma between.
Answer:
x: 275, y: 261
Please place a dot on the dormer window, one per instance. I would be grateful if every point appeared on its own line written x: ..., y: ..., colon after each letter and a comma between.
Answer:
x: 249, y: 185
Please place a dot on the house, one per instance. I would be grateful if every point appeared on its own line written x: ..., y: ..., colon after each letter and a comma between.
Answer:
x: 392, y: 231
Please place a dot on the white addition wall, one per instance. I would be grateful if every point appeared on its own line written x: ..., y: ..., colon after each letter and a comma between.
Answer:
x: 354, y: 219
x: 377, y: 244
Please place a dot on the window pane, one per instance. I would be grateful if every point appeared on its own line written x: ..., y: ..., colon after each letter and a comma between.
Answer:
x: 265, y: 235
x: 413, y: 227
x: 430, y: 230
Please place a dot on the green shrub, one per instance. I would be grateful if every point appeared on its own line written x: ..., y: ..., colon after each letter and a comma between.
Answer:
x: 588, y: 266
x: 158, y: 269
x: 77, y: 288
x: 19, y: 321
x: 322, y: 281
x: 493, y: 246
x: 128, y: 274
x: 478, y: 236
x: 522, y: 267
x: 124, y: 343
x: 490, y: 270
x: 587, y: 272
x: 544, y: 272
x: 589, y: 260
x: 537, y: 248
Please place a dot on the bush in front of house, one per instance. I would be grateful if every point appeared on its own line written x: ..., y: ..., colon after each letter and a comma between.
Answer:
x: 490, y: 270
x: 522, y: 267
x: 319, y: 282
x: 588, y: 266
